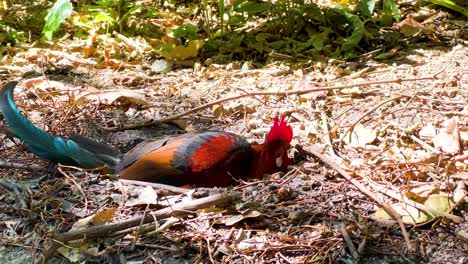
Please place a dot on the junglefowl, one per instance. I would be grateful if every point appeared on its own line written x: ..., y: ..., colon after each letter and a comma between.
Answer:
x: 209, y: 158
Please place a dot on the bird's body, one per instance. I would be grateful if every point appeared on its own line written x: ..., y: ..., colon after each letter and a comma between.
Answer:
x: 209, y: 158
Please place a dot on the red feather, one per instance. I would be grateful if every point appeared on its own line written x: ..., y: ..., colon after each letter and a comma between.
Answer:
x: 203, y: 159
x: 208, y: 158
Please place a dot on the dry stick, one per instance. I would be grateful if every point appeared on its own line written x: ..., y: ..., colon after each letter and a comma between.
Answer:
x: 210, y: 252
x: 292, y: 92
x: 424, y: 145
x: 146, y: 229
x: 180, y: 209
x: 78, y: 186
x: 349, y: 242
x: 29, y: 167
x: 166, y: 187
x: 275, y: 54
x: 135, y: 238
x: 169, y: 222
x: 366, y: 114
x: 364, y: 190
x: 49, y: 252
x: 326, y: 132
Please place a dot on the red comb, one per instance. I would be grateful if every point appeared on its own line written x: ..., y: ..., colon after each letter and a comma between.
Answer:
x: 280, y: 131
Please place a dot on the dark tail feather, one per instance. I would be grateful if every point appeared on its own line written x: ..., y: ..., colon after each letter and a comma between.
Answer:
x: 44, y: 145
x: 94, y: 146
x: 105, y: 152
x: 18, y: 124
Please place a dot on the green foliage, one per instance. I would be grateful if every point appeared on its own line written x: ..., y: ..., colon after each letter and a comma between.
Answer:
x: 318, y: 40
x: 109, y: 14
x: 238, y: 29
x: 451, y: 5
x: 61, y: 10
x: 221, y: 15
x: 12, y: 35
x: 287, y: 26
x: 93, y: 22
x: 103, y: 17
x: 184, y: 32
x: 252, y: 7
x: 366, y: 7
x: 357, y: 30
x: 390, y: 12
x: 181, y: 42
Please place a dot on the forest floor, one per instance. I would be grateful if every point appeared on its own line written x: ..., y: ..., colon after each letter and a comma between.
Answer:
x: 311, y: 213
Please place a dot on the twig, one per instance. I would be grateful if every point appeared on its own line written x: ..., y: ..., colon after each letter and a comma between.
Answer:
x: 314, y: 151
x: 170, y: 188
x: 135, y: 238
x: 425, y: 145
x: 29, y: 167
x: 278, y: 55
x: 326, y: 133
x: 284, y: 258
x: 49, y: 252
x: 349, y: 242
x: 210, y: 251
x: 78, y: 186
x: 180, y: 209
x: 366, y: 114
x: 172, y: 250
x: 292, y: 92
x: 144, y: 229
x: 170, y: 222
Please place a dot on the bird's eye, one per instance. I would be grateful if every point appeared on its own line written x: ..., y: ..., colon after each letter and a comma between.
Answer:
x: 279, y: 161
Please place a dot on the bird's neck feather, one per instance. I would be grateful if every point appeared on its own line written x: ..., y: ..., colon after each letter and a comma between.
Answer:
x: 258, y: 162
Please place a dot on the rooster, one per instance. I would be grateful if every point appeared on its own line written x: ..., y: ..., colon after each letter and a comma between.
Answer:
x: 207, y: 158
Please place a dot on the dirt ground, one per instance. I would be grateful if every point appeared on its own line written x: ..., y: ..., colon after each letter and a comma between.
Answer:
x: 300, y: 216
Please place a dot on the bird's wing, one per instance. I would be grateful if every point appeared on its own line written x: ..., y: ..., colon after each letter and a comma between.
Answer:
x: 143, y: 148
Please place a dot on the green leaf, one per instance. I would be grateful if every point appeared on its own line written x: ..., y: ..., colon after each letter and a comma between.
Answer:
x: 409, y: 214
x: 390, y: 10
x: 103, y: 17
x: 252, y: 7
x: 450, y: 5
x: 318, y: 40
x: 440, y: 203
x: 61, y: 10
x: 366, y: 7
x: 358, y: 30
x: 189, y: 32
x: 180, y: 52
x: 134, y: 10
x: 279, y: 44
x: 221, y: 14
